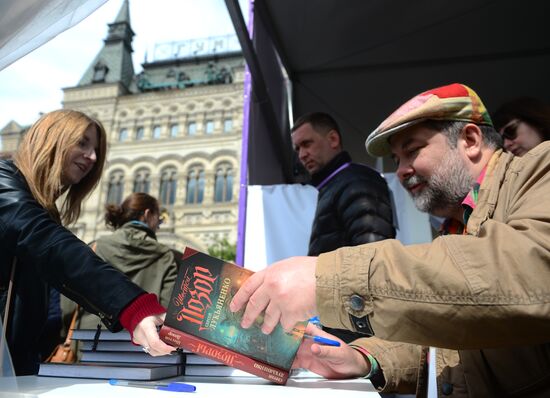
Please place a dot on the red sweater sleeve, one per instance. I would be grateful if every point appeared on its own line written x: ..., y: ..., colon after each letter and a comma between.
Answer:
x: 142, y: 307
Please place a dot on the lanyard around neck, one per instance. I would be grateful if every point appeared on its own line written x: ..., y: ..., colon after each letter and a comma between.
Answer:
x: 326, y: 180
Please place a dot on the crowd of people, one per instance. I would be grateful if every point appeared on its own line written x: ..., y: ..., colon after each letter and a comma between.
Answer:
x: 464, y: 315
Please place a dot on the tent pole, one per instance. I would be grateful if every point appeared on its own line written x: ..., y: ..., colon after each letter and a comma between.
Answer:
x: 233, y: 8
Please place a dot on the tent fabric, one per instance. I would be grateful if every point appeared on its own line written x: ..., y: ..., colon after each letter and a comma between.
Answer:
x: 279, y: 220
x: 278, y: 223
x: 359, y: 60
x: 27, y: 24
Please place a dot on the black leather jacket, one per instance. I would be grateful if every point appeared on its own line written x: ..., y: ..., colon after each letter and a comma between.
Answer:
x: 47, y: 253
x: 353, y: 207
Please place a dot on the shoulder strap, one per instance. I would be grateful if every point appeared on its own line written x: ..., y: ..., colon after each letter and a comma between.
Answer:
x: 72, y: 325
x: 10, y: 296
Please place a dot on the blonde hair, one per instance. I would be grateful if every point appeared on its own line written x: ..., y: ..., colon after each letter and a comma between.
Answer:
x: 41, y: 157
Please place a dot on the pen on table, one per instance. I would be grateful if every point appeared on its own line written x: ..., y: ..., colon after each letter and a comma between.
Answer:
x: 322, y: 340
x: 175, y: 387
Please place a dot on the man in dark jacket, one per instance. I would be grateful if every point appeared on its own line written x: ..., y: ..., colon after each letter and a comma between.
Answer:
x: 353, y: 206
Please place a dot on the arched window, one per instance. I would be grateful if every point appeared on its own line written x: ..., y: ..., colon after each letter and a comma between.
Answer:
x: 142, y: 181
x: 209, y: 129
x: 223, y: 185
x: 168, y: 185
x: 123, y: 135
x: 100, y: 72
x: 115, y: 189
x: 156, y: 132
x: 191, y: 128
x: 174, y: 130
x: 140, y: 133
x: 195, y: 185
x: 228, y: 125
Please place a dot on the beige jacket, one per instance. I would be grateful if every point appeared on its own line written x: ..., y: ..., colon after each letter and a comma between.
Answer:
x: 489, y: 289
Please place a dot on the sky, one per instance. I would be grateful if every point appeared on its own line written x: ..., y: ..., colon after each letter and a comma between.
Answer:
x: 33, y: 84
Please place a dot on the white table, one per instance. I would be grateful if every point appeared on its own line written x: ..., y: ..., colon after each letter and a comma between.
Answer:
x: 226, y: 387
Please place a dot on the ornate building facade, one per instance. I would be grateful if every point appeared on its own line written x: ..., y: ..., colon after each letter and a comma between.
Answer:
x: 174, y: 131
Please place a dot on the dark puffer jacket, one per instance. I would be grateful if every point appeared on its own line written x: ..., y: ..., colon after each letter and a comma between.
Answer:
x: 47, y: 253
x: 353, y: 207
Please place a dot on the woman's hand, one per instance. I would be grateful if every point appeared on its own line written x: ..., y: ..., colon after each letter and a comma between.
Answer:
x: 146, y: 335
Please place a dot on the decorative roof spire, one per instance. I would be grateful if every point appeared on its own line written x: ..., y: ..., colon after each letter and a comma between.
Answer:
x: 124, y: 13
x: 120, y: 29
x: 113, y: 63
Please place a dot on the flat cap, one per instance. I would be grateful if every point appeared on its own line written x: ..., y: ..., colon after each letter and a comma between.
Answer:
x: 454, y: 102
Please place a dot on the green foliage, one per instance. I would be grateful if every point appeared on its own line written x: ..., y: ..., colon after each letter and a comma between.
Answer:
x: 223, y: 249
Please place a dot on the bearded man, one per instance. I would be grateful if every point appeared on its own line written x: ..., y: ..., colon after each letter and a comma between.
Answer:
x: 481, y: 291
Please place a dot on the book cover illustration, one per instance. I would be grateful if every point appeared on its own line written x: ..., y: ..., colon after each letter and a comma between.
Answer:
x: 200, y: 307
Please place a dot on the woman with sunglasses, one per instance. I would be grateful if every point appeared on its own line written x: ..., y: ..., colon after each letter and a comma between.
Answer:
x: 134, y: 250
x: 524, y: 123
x: 59, y: 162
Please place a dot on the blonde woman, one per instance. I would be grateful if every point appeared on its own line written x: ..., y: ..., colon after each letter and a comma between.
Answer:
x: 61, y: 157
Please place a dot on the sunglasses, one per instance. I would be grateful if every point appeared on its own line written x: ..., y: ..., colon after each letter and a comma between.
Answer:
x: 510, y: 131
x: 163, y: 216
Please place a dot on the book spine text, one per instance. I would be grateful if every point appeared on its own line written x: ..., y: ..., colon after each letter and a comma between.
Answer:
x: 231, y: 358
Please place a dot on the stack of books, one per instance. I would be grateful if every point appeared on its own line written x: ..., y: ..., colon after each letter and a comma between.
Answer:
x: 198, y: 322
x: 114, y: 357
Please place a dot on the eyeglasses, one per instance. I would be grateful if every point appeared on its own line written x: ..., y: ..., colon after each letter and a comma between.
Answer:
x: 510, y: 131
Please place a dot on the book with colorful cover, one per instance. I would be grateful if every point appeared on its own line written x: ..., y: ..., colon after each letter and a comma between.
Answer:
x: 198, y: 319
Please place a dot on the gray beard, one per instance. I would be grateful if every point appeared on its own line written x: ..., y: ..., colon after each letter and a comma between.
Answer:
x: 446, y: 188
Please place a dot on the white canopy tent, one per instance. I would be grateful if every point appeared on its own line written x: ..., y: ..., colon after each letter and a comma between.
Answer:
x: 27, y: 24
x: 359, y: 60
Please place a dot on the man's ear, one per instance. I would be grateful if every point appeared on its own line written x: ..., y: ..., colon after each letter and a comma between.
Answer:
x: 471, y: 139
x: 334, y: 139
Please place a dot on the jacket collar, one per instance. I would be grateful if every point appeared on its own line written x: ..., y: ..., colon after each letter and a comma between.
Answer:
x: 9, y: 167
x: 489, y: 190
x: 141, y: 226
x: 337, y: 161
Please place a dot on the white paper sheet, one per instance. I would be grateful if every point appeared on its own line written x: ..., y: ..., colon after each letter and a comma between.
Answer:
x: 300, y: 388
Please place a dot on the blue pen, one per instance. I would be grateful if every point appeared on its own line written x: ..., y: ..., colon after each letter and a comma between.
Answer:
x: 315, y: 320
x: 175, y: 387
x: 322, y: 340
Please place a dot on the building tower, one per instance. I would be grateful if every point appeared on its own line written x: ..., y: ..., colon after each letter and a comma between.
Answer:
x: 174, y: 131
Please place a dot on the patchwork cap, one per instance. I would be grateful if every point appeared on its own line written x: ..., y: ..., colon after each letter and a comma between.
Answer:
x: 455, y: 102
